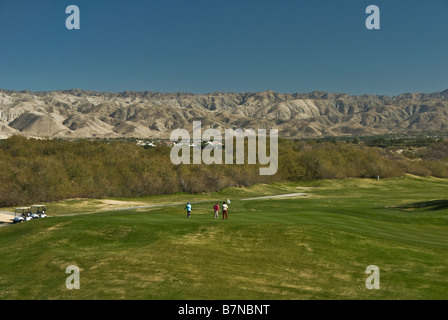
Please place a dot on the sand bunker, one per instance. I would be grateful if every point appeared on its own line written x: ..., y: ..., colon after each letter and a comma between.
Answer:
x: 6, y: 217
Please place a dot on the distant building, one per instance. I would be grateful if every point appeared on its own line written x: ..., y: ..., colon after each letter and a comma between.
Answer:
x: 145, y: 144
x: 170, y: 143
x: 214, y: 143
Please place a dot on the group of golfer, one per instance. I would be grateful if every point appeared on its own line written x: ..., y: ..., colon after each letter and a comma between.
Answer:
x: 225, y: 207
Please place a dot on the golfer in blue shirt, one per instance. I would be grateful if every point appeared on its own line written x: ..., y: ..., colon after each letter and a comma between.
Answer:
x: 188, y: 207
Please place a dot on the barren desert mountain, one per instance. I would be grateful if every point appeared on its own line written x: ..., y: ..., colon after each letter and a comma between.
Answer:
x: 86, y: 114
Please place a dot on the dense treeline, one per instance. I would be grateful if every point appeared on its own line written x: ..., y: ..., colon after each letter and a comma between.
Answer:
x: 33, y: 171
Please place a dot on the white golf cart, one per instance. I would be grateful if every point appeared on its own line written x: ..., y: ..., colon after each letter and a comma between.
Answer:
x: 39, y: 211
x: 22, y: 214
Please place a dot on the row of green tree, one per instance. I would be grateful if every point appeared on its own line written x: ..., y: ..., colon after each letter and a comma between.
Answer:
x: 34, y: 171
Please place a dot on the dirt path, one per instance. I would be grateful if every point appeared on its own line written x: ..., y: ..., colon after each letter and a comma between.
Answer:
x: 122, y: 209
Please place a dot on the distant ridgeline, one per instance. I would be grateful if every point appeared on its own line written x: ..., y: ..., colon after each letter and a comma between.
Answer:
x: 87, y: 114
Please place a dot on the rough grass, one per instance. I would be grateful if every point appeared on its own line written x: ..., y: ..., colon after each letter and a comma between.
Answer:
x: 313, y: 247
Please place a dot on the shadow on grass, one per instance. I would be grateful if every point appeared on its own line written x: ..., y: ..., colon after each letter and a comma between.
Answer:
x: 432, y: 205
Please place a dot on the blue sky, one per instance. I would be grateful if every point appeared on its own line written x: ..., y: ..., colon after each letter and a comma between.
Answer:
x: 225, y: 45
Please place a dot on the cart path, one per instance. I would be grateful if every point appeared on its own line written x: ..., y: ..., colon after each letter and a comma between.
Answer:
x: 157, y: 205
x: 279, y: 196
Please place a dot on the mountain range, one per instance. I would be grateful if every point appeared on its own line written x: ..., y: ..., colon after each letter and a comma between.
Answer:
x: 87, y: 114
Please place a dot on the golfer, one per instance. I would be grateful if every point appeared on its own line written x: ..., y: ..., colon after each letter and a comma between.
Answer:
x: 188, y: 207
x: 216, y: 208
x: 224, y: 210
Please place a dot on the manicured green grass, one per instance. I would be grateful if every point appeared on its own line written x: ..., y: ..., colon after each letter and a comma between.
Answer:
x: 310, y: 247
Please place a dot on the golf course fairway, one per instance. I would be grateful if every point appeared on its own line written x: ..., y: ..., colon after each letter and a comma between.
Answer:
x: 312, y: 246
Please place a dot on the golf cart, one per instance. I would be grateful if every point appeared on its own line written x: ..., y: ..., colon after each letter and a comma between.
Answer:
x: 39, y: 211
x: 22, y: 214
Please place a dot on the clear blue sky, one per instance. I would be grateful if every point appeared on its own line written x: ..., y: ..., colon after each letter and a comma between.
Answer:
x: 225, y: 45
